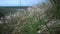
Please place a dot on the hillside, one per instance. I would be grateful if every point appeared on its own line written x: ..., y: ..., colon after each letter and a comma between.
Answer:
x: 7, y: 9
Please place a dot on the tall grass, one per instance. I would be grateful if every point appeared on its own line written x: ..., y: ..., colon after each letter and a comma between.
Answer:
x: 31, y: 21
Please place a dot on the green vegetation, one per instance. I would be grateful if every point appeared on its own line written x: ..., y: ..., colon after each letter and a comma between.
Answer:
x: 32, y: 22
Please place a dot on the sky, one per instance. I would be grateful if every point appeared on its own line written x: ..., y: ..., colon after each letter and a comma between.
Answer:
x: 19, y: 2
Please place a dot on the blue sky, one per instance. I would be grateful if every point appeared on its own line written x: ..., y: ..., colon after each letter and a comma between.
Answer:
x: 19, y: 2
